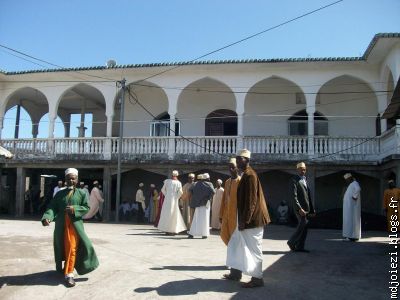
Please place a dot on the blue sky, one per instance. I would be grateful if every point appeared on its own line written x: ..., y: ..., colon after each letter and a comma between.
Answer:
x: 87, y: 33
x: 74, y: 33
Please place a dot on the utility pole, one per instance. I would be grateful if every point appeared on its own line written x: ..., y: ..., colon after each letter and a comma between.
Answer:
x: 121, y: 132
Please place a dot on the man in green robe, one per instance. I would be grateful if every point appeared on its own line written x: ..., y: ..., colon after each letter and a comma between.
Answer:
x: 71, y: 244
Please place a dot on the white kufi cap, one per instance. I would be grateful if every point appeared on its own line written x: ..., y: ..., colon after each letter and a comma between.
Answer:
x: 347, y: 175
x: 72, y: 171
x: 244, y: 153
x: 175, y: 173
x: 300, y: 165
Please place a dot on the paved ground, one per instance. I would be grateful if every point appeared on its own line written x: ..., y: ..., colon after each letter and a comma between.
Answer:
x: 138, y: 262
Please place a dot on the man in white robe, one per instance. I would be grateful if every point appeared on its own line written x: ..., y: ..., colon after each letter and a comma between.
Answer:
x: 352, y: 209
x: 202, y: 193
x: 216, y: 205
x: 95, y: 200
x: 141, y: 201
x: 244, y: 251
x: 171, y: 220
x: 58, y: 187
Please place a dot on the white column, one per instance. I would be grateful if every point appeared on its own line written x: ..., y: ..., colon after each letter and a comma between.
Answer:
x: 240, y: 99
x: 173, y: 96
x: 311, y: 97
x: 52, y: 120
x: 109, y: 125
x: 382, y: 103
x: 107, y: 143
x: 109, y: 96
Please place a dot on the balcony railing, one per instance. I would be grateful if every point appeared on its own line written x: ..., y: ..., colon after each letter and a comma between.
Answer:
x: 274, y: 147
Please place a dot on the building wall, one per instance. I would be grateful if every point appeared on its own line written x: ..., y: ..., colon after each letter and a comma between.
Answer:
x: 268, y: 106
x: 198, y: 100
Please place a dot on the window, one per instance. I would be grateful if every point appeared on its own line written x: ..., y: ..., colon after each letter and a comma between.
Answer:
x: 160, y: 126
x: 298, y: 124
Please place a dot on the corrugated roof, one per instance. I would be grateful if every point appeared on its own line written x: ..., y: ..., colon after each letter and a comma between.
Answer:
x: 216, y: 62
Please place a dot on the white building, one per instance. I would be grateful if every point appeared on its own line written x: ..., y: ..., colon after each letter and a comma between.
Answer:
x: 324, y: 111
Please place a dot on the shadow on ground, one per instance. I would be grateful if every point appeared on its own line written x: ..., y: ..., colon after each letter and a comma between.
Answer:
x: 192, y: 287
x: 191, y: 268
x: 49, y: 278
x: 334, y: 269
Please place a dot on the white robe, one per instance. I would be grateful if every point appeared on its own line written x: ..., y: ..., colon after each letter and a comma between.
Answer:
x: 244, y: 251
x: 352, y: 211
x: 140, y: 198
x: 201, y: 221
x: 216, y: 206
x: 95, y: 199
x: 171, y: 219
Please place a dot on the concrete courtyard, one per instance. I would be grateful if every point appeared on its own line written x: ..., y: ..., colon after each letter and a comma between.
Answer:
x: 139, y: 262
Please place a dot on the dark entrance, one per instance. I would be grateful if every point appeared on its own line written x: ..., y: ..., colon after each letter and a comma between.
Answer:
x: 221, y: 122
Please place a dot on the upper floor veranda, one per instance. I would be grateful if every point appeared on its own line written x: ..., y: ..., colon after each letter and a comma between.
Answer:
x: 288, y: 108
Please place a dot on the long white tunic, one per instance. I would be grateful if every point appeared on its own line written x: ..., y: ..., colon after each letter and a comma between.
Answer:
x: 171, y: 218
x: 95, y: 199
x: 201, y: 221
x: 352, y: 211
x: 216, y: 206
x: 245, y: 251
x: 140, y: 198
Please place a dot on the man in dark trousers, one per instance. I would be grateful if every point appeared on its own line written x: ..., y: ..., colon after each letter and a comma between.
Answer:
x: 303, y: 208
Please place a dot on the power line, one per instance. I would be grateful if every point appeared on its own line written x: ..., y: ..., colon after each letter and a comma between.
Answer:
x: 243, y: 39
x: 193, y: 60
x: 54, y: 65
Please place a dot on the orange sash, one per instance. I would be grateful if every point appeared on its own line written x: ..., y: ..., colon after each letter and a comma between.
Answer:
x: 71, y: 240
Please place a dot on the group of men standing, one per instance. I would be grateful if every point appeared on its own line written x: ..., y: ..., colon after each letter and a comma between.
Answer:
x: 242, y: 216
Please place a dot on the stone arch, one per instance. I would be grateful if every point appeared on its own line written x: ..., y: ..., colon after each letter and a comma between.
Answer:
x: 81, y: 98
x: 200, y: 98
x: 33, y: 101
x: 25, y: 128
x: 350, y: 105
x: 269, y: 103
x: 137, y: 120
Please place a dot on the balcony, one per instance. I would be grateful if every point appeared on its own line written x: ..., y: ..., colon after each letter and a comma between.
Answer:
x: 208, y: 148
